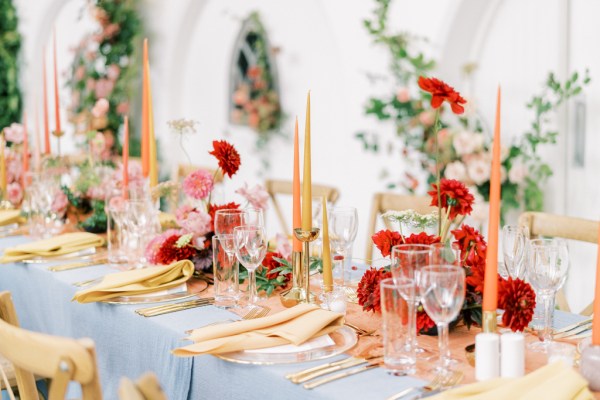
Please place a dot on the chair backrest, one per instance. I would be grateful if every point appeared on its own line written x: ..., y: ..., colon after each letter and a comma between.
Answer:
x: 383, y: 202
x: 61, y: 359
x: 278, y: 187
x: 147, y: 387
x: 549, y: 225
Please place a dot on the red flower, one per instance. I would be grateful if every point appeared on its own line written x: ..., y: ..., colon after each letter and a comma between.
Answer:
x: 422, y: 238
x: 424, y: 322
x: 440, y: 92
x: 227, y: 155
x: 169, y: 252
x: 368, y: 291
x: 454, y: 194
x: 212, y: 210
x: 270, y: 263
x: 473, y: 254
x: 517, y: 299
x: 385, y: 240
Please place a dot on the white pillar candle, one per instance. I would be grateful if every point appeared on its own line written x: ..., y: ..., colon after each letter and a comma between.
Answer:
x: 512, y: 356
x: 487, y: 356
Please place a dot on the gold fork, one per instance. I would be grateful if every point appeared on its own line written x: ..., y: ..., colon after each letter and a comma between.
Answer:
x: 257, y: 312
x: 169, y: 308
x: 436, y: 384
x: 361, y: 331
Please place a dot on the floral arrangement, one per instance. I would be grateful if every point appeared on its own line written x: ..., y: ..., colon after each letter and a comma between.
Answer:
x: 454, y: 202
x: 13, y: 154
x: 103, y: 72
x: 11, y: 101
x: 410, y: 220
x: 460, y: 149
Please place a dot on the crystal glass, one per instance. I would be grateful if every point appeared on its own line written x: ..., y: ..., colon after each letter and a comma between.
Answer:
x: 51, y: 203
x: 334, y: 300
x: 407, y: 261
x: 442, y: 289
x: 250, y: 249
x: 397, y: 305
x: 548, y: 264
x: 343, y: 226
x: 226, y: 276
x: 514, y: 241
x: 445, y: 254
x: 225, y: 222
x: 140, y: 221
x: 254, y: 216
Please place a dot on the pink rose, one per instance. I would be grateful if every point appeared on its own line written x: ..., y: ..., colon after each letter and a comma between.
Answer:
x: 101, y: 108
x: 14, y: 193
x: 123, y: 108
x: 113, y: 72
x: 456, y: 170
x: 103, y: 88
x: 257, y: 196
x: 427, y: 118
x: 283, y: 245
x: 479, y: 170
x: 14, y: 133
x: 193, y: 220
x: 90, y: 84
x: 517, y: 172
x: 59, y: 204
x: 79, y: 73
x: 403, y: 95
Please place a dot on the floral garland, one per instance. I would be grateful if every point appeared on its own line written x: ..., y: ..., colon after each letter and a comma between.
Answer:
x: 103, y: 73
x: 13, y: 154
x: 464, y: 149
x: 10, y: 45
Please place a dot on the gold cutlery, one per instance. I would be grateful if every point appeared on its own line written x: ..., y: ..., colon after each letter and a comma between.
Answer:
x: 257, y: 312
x: 87, y: 282
x: 576, y: 325
x: 573, y: 332
x: 361, y: 331
x: 349, y: 363
x: 90, y: 252
x: 432, y: 387
x: 78, y: 264
x: 317, y: 368
x: 170, y: 308
x: 319, y: 382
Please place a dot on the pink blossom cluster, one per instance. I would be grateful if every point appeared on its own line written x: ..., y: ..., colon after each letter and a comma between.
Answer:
x: 193, y: 220
x: 256, y: 196
x: 198, y: 184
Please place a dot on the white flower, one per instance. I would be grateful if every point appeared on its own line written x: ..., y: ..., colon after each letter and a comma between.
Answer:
x: 479, y: 170
x: 480, y: 211
x: 517, y: 172
x: 456, y: 170
x: 466, y: 142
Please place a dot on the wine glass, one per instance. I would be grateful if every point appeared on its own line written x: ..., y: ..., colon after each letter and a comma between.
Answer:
x: 253, y: 216
x: 343, y: 226
x: 442, y: 289
x: 407, y: 261
x: 250, y: 249
x: 514, y: 240
x: 226, y: 221
x: 548, y: 264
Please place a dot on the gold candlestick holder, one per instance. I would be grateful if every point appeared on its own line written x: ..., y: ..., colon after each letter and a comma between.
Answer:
x: 296, y: 294
x: 489, y: 322
x: 306, y: 237
x: 58, y: 135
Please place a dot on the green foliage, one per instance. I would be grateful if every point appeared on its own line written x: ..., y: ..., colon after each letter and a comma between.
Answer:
x: 10, y: 44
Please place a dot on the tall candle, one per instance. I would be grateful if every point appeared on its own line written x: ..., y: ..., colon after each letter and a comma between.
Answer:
x: 38, y: 143
x: 145, y: 115
x: 490, y: 283
x: 326, y: 257
x: 596, y: 320
x: 25, y: 151
x: 126, y: 157
x: 56, y: 101
x: 46, y: 123
x: 297, y: 222
x: 306, y: 178
x: 152, y: 162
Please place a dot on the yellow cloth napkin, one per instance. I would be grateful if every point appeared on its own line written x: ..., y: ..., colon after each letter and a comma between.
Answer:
x: 138, y: 281
x: 556, y: 381
x: 8, y: 217
x: 55, y: 246
x: 295, y: 325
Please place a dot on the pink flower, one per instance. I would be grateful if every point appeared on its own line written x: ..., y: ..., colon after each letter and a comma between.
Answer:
x: 465, y: 142
x: 403, y: 95
x: 14, y: 166
x: 90, y: 84
x: 111, y: 30
x: 283, y: 245
x: 103, y: 88
x: 101, y: 107
x: 154, y: 245
x: 14, y: 193
x: 427, y: 118
x: 14, y: 133
x: 257, y: 196
x: 193, y: 220
x: 241, y: 96
x: 123, y: 108
x: 479, y: 170
x: 198, y: 184
x: 59, y: 204
x: 456, y: 170
x: 113, y: 72
x: 79, y: 73
x: 517, y: 172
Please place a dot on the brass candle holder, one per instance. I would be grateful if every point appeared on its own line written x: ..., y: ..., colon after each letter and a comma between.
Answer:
x: 296, y: 294
x: 58, y: 135
x: 489, y: 321
x: 306, y: 237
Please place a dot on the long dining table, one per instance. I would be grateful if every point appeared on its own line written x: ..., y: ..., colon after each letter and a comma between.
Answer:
x: 128, y: 344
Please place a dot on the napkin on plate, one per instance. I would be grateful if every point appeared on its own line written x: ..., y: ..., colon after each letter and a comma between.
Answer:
x: 55, y: 246
x: 8, y: 217
x: 294, y: 325
x: 137, y: 281
x: 556, y: 381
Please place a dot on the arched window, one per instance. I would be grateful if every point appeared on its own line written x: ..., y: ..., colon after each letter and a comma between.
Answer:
x: 254, y: 92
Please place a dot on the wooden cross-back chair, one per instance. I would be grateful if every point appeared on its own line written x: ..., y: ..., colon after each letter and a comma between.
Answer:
x: 146, y: 387
x: 277, y: 187
x: 383, y: 202
x: 550, y: 225
x: 60, y: 359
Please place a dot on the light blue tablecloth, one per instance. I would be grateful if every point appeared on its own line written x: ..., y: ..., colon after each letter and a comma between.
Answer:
x: 128, y: 344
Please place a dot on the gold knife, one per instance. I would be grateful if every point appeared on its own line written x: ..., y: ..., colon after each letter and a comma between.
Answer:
x: 79, y: 264
x: 572, y: 332
x: 181, y: 303
x: 573, y: 326
x: 319, y: 382
x: 318, y: 368
x: 325, y: 371
x: 175, y: 309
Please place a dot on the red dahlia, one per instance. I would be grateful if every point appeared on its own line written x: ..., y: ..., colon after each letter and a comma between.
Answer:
x: 440, y: 92
x: 227, y: 155
x: 424, y: 322
x: 169, y: 252
x: 385, y: 240
x: 369, y: 296
x: 270, y: 263
x: 422, y: 238
x: 213, y: 208
x: 517, y: 299
x: 454, y: 194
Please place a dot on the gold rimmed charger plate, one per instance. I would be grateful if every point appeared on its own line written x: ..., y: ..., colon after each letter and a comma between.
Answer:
x: 344, y: 338
x: 198, y: 288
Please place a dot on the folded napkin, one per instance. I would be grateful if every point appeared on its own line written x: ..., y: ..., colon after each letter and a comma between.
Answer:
x: 138, y: 281
x: 8, y: 217
x: 295, y: 325
x: 55, y: 246
x: 556, y: 381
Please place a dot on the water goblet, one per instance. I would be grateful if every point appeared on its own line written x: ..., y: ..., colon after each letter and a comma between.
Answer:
x: 343, y: 226
x: 250, y: 249
x: 140, y: 223
x: 514, y: 241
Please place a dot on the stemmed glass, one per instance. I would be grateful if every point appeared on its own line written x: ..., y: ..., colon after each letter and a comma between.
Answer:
x: 250, y: 249
x: 442, y: 289
x: 343, y: 226
x: 514, y: 241
x: 445, y: 254
x: 548, y: 261
x: 407, y: 262
x: 226, y: 221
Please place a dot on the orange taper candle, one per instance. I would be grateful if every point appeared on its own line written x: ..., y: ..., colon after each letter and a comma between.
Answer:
x: 25, y: 151
x: 126, y: 157
x: 46, y: 123
x: 596, y: 319
x: 152, y: 154
x: 56, y: 101
x: 297, y: 222
x: 490, y: 284
x: 306, y: 178
x: 145, y: 115
x: 326, y: 257
x: 38, y: 142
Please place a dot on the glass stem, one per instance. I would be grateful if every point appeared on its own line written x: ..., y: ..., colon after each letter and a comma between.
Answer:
x: 443, y: 344
x: 412, y: 322
x: 548, y: 301
x: 252, y: 294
